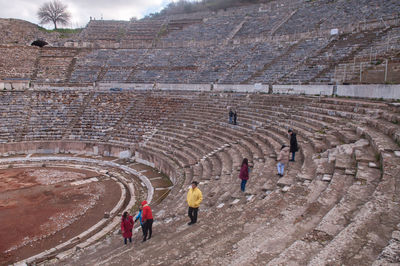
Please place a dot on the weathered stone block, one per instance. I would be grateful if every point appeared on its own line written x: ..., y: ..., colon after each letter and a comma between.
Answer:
x: 396, y: 235
x: 303, y: 177
x: 284, y: 181
x: 350, y: 172
x: 362, y: 156
x: 343, y: 161
x: 326, y: 178
x: 372, y: 165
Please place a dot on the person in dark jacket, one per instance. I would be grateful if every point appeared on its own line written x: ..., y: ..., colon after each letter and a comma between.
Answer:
x: 244, y: 174
x: 147, y: 219
x: 234, y: 117
x: 293, y: 144
x: 230, y: 116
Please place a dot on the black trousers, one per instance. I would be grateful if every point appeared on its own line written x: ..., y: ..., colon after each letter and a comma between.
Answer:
x: 148, y: 228
x: 142, y: 225
x: 192, y: 212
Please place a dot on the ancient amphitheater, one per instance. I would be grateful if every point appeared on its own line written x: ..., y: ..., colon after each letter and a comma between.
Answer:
x: 97, y: 121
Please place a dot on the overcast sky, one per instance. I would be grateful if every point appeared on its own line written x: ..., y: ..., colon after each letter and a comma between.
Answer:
x: 82, y: 10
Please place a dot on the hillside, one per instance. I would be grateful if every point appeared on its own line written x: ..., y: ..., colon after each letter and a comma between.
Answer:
x: 20, y: 32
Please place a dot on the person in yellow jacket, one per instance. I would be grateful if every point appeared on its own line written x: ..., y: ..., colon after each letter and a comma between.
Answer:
x: 194, y: 198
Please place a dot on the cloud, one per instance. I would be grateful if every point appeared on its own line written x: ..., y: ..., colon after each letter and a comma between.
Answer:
x: 82, y: 10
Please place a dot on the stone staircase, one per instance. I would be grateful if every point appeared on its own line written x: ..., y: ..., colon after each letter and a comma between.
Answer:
x: 368, y: 38
x: 271, y: 63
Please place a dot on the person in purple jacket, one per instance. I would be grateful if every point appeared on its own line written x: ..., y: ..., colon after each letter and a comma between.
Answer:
x: 244, y: 174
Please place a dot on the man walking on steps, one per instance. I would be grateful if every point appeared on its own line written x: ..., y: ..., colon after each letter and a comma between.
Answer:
x: 293, y: 144
x: 147, y: 219
x: 194, y: 198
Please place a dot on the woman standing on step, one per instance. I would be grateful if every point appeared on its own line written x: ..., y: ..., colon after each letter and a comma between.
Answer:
x: 244, y: 174
x: 283, y: 158
x: 126, y: 227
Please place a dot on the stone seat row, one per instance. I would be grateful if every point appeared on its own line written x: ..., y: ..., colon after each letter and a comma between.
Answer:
x: 361, y: 174
x: 332, y: 198
x: 343, y: 194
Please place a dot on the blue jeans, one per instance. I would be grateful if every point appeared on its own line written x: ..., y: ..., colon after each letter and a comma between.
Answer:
x: 281, y: 168
x: 125, y: 240
x: 243, y: 185
x: 293, y: 153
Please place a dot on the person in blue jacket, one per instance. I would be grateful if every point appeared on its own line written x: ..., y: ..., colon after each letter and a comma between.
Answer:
x: 139, y: 217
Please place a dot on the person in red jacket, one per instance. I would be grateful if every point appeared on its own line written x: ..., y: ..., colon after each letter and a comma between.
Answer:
x: 126, y: 227
x: 147, y: 219
x: 244, y: 174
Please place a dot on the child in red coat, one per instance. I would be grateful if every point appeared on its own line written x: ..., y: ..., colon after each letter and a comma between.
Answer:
x: 126, y: 227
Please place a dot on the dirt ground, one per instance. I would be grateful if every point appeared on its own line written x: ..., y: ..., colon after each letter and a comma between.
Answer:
x: 42, y: 207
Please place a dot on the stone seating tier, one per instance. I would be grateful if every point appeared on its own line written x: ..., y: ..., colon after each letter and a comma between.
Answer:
x: 176, y: 48
x: 346, y: 167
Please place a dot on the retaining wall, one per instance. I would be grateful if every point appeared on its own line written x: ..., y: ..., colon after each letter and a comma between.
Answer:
x: 370, y: 91
x: 55, y: 147
x: 303, y: 89
x: 14, y: 85
x: 359, y: 91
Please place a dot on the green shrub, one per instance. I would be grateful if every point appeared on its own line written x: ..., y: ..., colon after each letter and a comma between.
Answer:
x: 62, y: 31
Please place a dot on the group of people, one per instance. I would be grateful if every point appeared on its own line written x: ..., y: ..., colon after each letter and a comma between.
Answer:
x: 282, y: 159
x: 194, y: 195
x: 232, y: 116
x: 284, y: 154
x: 145, y: 217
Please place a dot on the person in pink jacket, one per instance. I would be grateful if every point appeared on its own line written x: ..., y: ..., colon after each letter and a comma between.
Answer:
x: 126, y: 227
x: 244, y: 174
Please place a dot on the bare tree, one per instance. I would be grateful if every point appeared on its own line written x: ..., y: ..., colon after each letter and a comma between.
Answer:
x: 54, y: 11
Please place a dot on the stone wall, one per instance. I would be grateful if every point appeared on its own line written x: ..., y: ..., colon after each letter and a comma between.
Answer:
x: 10, y: 84
x: 370, y: 91
x: 360, y: 91
x: 57, y: 147
x: 303, y: 89
x: 17, y: 61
